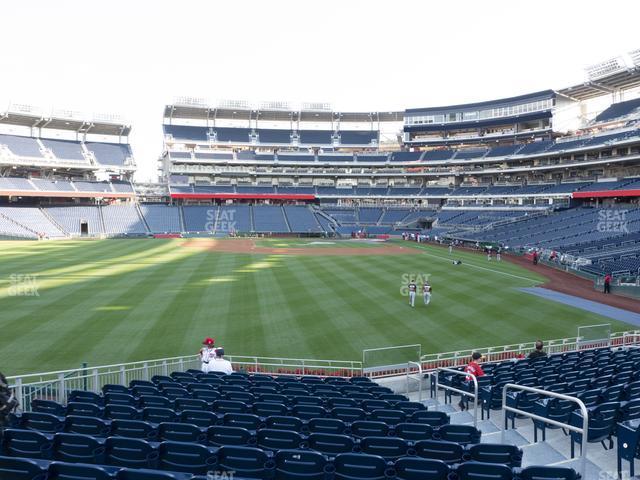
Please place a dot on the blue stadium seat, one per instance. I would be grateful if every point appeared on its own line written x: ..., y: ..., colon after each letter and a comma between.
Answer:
x: 174, y: 393
x: 410, y: 407
x: 448, y: 452
x: 26, y: 443
x: 629, y: 410
x: 590, y: 397
x: 190, y: 404
x: 77, y: 471
x: 601, y: 425
x: 121, y: 412
x: 41, y: 422
x: 229, y: 406
x: 300, y: 465
x: 76, y: 448
x: 245, y: 397
x: 390, y: 448
x: 273, y: 398
x: 371, y: 405
x: 245, y: 462
x: 280, y: 422
x: 142, y: 474
x: 111, y: 388
x: 435, y: 419
x: 326, y: 425
x: 201, y: 419
x: 120, y: 399
x: 86, y: 426
x: 207, y: 396
x: 185, y: 457
x: 414, y: 431
x: 21, y: 469
x: 133, y: 429
x: 307, y: 412
x: 180, y: 432
x: 330, y: 444
x: 509, y: 455
x: 84, y: 409
x: 554, y: 409
x: 548, y: 473
x: 266, y: 409
x: 130, y: 452
x: 348, y: 414
x: 272, y: 439
x: 87, y: 397
x: 158, y: 415
x: 485, y: 471
x: 390, y: 417
x: 243, y: 420
x: 352, y: 466
x: 48, y: 406
x: 307, y: 400
x: 412, y: 468
x: 219, y: 435
x: 367, y: 428
x: 145, y: 383
x: 342, y: 402
x: 140, y: 390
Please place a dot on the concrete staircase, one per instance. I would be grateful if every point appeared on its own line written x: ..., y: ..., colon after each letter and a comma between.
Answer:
x: 555, y: 451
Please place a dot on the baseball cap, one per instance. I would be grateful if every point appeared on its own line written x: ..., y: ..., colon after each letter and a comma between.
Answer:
x: 209, y: 341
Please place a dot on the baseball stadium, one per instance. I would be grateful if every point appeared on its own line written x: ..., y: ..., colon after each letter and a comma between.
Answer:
x: 304, y: 292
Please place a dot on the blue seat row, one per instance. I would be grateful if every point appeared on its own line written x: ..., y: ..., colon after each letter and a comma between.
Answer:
x: 157, y: 414
x: 242, y: 429
x: 287, y: 465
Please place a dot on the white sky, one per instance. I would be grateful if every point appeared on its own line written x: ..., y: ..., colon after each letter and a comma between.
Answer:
x: 131, y: 57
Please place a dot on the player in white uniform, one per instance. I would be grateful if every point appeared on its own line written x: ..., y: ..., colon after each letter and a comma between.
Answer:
x: 412, y: 294
x: 426, y: 293
x: 207, y: 353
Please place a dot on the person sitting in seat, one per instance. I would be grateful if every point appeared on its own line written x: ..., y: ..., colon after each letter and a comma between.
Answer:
x: 538, y: 352
x: 219, y: 363
x: 474, y: 369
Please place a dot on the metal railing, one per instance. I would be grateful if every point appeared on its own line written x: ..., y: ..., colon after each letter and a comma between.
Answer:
x: 419, y: 379
x: 473, y: 395
x: 585, y: 418
x: 57, y: 385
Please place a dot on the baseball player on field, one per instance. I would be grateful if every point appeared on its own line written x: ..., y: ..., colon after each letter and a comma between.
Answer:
x: 426, y: 293
x: 207, y: 353
x: 412, y: 294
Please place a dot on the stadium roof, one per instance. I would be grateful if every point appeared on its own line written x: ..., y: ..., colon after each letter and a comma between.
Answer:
x: 544, y: 94
x: 33, y: 117
x: 268, y: 112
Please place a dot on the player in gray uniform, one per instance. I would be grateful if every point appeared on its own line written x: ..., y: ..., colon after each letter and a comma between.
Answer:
x: 426, y: 293
x: 412, y: 294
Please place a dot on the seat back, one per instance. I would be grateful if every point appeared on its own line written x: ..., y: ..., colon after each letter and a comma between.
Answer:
x: 484, y: 471
x: 280, y: 422
x: 550, y: 473
x: 496, y: 453
x: 299, y: 465
x: 414, y: 468
x: 21, y: 469
x: 367, y: 428
x: 133, y: 429
x: 185, y: 457
x: 360, y: 466
x: 76, y: 448
x: 462, y: 434
x: 448, y: 452
x: 389, y: 448
x: 219, y: 435
x: 244, y: 461
x: 41, y: 422
x: 435, y: 419
x: 201, y: 419
x: 330, y: 444
x: 86, y: 426
x: 130, y: 452
x: 273, y: 439
x: 74, y: 471
x: 326, y: 425
x: 180, y: 432
x: 26, y: 443
x: 244, y: 420
x: 414, y: 431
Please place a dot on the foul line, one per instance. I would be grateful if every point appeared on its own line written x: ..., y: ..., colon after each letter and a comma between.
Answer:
x: 483, y: 268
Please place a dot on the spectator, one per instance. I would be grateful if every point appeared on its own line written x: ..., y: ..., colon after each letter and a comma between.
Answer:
x: 474, y: 369
x: 538, y: 352
x: 8, y: 402
x: 219, y: 364
x: 535, y: 257
x: 607, y: 283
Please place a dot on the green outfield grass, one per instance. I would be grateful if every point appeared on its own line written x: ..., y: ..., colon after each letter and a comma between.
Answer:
x: 114, y: 301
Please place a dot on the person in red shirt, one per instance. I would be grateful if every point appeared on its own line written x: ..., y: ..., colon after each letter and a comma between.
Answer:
x: 607, y: 283
x: 474, y: 369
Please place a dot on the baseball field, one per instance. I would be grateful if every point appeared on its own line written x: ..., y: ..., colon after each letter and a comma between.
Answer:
x: 112, y: 301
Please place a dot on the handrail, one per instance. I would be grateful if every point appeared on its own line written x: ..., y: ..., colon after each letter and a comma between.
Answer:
x: 585, y: 417
x: 462, y: 392
x: 419, y: 380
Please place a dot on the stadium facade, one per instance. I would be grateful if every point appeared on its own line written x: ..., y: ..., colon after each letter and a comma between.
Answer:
x: 503, y: 171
